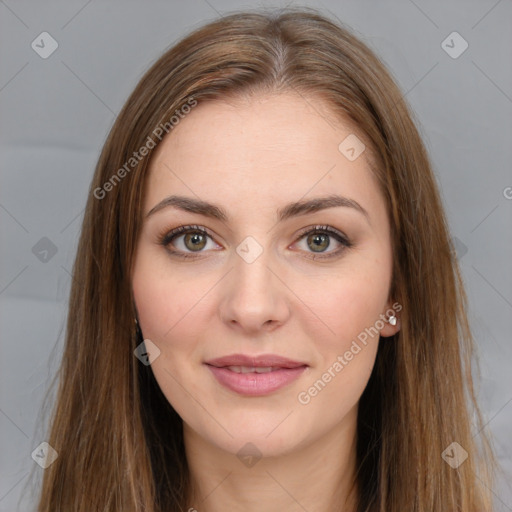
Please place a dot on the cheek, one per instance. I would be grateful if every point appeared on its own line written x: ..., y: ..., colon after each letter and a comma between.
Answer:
x: 338, y: 387
x: 350, y: 307
x: 346, y: 358
x: 171, y: 309
x: 166, y: 316
x: 163, y: 300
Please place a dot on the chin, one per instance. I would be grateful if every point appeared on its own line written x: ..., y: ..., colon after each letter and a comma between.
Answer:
x: 267, y: 437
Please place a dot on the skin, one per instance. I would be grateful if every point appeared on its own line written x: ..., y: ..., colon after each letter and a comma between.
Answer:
x: 252, y: 157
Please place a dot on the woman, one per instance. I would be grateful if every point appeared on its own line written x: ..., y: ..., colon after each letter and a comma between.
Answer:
x: 314, y: 353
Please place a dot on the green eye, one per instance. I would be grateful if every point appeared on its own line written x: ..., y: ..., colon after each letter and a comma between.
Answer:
x: 319, y: 239
x: 195, y: 239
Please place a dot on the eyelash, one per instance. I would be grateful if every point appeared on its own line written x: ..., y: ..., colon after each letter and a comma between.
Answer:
x: 166, y: 237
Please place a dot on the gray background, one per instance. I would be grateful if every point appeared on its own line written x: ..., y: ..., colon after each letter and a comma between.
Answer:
x: 56, y: 112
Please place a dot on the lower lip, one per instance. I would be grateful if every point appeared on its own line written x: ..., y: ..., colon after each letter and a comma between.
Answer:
x: 256, y: 384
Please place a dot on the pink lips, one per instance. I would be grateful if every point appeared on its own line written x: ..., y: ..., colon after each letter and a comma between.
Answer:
x: 255, y: 376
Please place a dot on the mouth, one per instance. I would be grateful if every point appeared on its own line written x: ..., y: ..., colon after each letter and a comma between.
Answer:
x: 251, y: 369
x: 255, y: 376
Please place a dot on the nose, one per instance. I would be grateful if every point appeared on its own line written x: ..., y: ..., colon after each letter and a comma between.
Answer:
x: 255, y: 298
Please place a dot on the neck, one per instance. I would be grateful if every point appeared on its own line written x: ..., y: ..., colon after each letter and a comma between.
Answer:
x: 317, y: 477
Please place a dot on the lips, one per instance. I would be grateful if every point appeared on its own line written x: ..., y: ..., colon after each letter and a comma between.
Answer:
x: 262, y: 361
x: 255, y: 375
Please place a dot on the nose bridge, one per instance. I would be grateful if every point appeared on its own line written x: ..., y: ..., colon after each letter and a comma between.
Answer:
x: 255, y: 295
x: 252, y: 262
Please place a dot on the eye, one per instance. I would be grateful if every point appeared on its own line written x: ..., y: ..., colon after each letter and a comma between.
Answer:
x: 318, y: 240
x: 188, y: 240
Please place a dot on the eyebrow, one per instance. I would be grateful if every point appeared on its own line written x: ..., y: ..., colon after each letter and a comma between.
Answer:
x: 295, y: 209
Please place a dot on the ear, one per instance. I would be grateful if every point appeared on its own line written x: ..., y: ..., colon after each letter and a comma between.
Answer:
x: 392, y: 309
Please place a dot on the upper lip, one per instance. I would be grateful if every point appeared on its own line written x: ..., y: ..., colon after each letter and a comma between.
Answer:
x: 264, y: 361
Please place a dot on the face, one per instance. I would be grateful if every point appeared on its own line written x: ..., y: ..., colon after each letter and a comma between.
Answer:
x: 255, y: 278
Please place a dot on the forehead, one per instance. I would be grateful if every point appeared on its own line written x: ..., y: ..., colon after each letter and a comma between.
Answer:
x: 264, y: 149
x: 282, y: 125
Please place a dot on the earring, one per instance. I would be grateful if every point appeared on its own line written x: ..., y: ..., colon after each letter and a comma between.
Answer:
x: 392, y: 320
x: 138, y: 332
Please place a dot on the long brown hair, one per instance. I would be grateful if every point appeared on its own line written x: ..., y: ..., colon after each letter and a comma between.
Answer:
x: 119, y: 441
